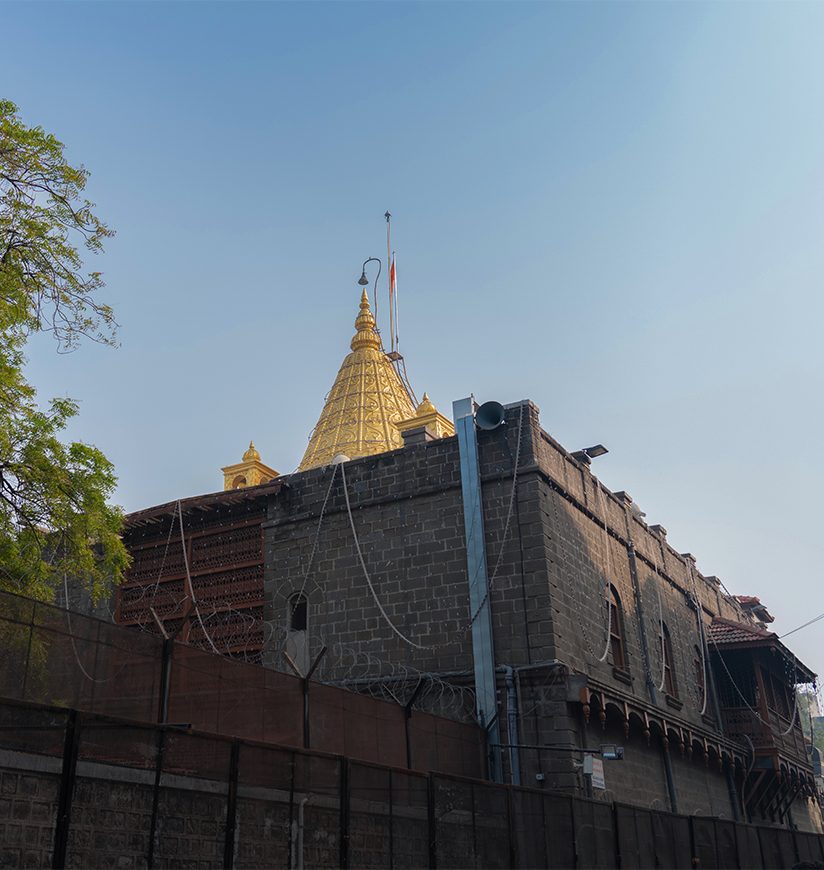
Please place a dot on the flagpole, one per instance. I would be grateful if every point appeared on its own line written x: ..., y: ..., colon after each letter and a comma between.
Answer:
x: 397, y: 327
x: 388, y: 217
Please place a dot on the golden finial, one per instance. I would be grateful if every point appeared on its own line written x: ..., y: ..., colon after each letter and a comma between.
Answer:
x: 425, y: 407
x: 365, y: 326
x: 251, y: 454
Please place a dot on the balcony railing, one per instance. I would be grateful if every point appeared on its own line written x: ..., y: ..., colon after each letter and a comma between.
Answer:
x: 767, y: 733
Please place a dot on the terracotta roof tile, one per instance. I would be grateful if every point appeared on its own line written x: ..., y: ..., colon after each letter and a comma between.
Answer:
x: 724, y: 631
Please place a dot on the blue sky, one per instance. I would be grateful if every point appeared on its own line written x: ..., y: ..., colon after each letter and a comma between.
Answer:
x: 613, y: 209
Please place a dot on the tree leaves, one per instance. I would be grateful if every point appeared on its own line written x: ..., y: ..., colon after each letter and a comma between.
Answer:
x: 43, y: 217
x: 54, y: 519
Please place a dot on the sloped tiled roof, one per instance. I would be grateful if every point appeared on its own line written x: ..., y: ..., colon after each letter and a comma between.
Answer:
x: 725, y: 631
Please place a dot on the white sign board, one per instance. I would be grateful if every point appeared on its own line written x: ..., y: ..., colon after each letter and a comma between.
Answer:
x: 598, y: 780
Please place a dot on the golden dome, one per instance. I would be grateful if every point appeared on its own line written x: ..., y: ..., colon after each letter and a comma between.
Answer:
x: 365, y: 402
x: 425, y: 407
x: 251, y: 454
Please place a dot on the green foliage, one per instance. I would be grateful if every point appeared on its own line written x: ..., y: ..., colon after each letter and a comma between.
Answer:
x: 54, y: 519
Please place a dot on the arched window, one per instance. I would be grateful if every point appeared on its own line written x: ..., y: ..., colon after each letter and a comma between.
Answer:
x: 670, y: 685
x: 616, y: 630
x: 298, y: 613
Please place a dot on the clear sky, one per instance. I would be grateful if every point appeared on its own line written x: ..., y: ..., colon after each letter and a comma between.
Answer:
x: 616, y: 210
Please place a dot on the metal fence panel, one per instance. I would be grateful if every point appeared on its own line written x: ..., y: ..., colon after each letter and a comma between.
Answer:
x: 266, y: 827
x: 192, y: 801
x: 559, y: 825
x: 410, y: 820
x: 317, y: 785
x: 31, y: 751
x: 594, y: 834
x: 749, y: 850
x: 455, y: 834
x: 672, y: 840
x: 704, y: 846
x: 807, y: 846
x: 492, y: 834
x: 112, y: 801
x: 777, y: 847
x: 725, y: 844
x: 528, y: 828
x: 370, y: 816
x: 636, y: 838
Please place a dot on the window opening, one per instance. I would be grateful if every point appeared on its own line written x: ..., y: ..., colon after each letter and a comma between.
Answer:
x: 670, y: 685
x: 298, y: 612
x: 616, y: 630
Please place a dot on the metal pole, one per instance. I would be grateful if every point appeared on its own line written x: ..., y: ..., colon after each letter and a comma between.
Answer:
x: 431, y: 823
x: 407, y: 715
x: 305, y: 686
x: 161, y: 747
x: 483, y: 652
x: 165, y: 680
x: 344, y: 813
x: 231, y: 808
x: 388, y: 217
x: 71, y: 743
x: 512, y: 725
x: 668, y: 773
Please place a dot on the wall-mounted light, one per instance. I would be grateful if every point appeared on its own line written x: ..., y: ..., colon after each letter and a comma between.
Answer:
x: 589, y: 453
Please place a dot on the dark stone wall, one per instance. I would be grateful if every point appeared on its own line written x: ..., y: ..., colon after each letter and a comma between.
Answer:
x: 551, y: 560
x: 408, y: 514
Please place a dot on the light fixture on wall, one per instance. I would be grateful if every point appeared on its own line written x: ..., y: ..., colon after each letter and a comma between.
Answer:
x: 589, y: 453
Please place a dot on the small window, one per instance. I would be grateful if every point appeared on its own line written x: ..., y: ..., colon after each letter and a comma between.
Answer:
x: 670, y: 686
x: 616, y: 630
x: 298, y: 612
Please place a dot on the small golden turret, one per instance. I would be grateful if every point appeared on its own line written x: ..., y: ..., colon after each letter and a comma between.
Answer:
x: 428, y: 415
x: 250, y: 471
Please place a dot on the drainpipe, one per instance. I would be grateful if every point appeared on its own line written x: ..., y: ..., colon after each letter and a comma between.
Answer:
x: 483, y: 652
x: 512, y: 723
x: 639, y: 609
x: 668, y: 773
x: 297, y: 837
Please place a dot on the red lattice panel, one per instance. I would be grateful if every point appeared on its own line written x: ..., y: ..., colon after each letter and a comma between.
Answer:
x: 221, y: 549
x: 229, y: 631
x: 154, y: 563
x: 239, y: 587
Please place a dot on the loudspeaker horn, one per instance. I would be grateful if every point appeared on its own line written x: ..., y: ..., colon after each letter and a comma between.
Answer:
x: 490, y: 415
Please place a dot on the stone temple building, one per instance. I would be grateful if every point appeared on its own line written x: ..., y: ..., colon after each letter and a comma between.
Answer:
x: 481, y: 557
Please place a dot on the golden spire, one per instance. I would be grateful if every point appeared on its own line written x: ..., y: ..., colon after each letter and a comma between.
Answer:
x: 364, y: 404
